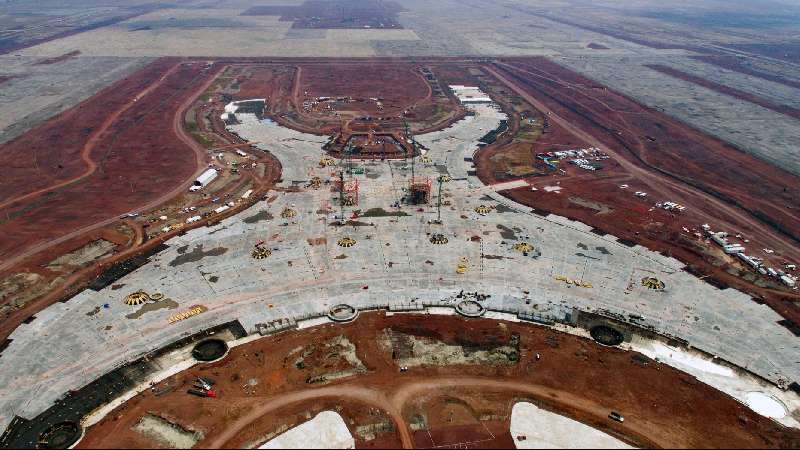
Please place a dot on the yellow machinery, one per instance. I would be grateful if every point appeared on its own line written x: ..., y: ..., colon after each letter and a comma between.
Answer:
x: 439, y: 239
x: 346, y: 242
x: 261, y: 253
x: 483, y: 210
x: 523, y: 247
x: 568, y: 280
x: 653, y: 283
x: 137, y: 298
x: 461, y: 269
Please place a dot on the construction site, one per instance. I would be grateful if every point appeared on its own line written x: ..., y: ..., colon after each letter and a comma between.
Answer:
x: 392, y: 253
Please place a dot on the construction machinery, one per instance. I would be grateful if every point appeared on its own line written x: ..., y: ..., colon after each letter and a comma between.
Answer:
x: 327, y: 162
x: 203, y: 387
x: 137, y: 298
x: 653, y: 283
x: 523, y: 247
x: 438, y: 239
x: 483, y: 210
x: 461, y: 269
x: 570, y: 281
x: 260, y: 252
x: 346, y: 242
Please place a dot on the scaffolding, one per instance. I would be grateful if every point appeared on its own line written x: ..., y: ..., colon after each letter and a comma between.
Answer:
x: 348, y: 190
x: 419, y: 192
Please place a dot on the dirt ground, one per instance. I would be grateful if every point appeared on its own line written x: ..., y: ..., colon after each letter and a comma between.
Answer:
x: 658, y: 155
x: 264, y: 390
x: 343, y: 97
x: 127, y: 165
x: 112, y: 152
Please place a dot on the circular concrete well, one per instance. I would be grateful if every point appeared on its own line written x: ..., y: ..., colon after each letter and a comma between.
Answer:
x: 60, y: 435
x: 606, y: 335
x: 470, y: 308
x: 210, y: 350
x: 343, y: 313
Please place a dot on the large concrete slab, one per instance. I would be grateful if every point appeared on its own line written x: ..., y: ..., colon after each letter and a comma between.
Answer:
x: 393, y: 263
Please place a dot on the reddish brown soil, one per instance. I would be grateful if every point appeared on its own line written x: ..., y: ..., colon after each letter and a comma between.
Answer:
x: 76, y: 280
x: 662, y: 406
x: 662, y: 145
x: 335, y: 14
x: 398, y: 84
x: 403, y: 91
x: 722, y: 89
x: 118, y: 160
x: 735, y: 64
x: 671, y: 161
x: 137, y: 160
x: 32, y: 162
x: 273, y: 82
x: 58, y: 59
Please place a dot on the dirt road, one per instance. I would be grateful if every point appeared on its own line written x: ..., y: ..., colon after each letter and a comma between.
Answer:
x: 658, y: 181
x: 94, y: 139
x: 402, y: 393
x: 200, y: 157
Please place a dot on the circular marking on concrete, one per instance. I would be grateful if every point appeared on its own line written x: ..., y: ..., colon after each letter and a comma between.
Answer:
x: 343, y: 313
x: 766, y: 405
x: 470, y: 308
x: 210, y: 350
x: 606, y: 335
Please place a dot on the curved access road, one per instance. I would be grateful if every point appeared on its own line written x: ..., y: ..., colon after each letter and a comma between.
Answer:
x: 94, y: 139
x: 393, y: 402
x: 655, y: 179
x: 177, y: 121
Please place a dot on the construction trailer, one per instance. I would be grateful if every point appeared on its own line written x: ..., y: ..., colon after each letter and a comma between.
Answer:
x: 204, y: 180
